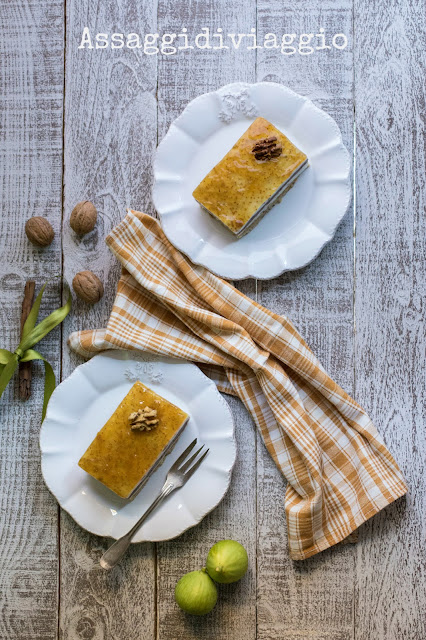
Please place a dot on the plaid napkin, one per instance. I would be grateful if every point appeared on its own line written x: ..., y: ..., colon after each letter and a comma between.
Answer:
x: 338, y: 470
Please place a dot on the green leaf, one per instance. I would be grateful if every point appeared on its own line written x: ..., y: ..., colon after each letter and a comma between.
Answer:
x: 49, y: 386
x: 49, y: 376
x: 5, y: 356
x: 33, y: 315
x: 7, y: 373
x: 46, y: 325
x: 32, y: 334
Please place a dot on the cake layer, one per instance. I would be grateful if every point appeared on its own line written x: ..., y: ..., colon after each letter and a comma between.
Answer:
x: 134, y: 440
x: 259, y: 167
x: 276, y: 197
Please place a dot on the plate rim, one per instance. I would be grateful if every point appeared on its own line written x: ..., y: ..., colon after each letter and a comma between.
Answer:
x: 239, y: 86
x: 158, y: 358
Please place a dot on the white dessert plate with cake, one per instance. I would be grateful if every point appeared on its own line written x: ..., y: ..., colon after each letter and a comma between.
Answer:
x: 114, y: 428
x: 251, y: 180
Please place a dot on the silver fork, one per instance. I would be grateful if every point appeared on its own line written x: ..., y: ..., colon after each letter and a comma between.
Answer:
x: 178, y: 474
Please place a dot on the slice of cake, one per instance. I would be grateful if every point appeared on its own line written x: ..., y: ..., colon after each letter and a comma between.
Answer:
x: 133, y: 442
x: 251, y: 178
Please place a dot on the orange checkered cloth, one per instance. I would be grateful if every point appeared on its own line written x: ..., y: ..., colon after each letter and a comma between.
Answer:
x: 339, y: 472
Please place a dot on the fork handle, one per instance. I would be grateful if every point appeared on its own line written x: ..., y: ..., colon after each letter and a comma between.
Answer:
x: 113, y: 555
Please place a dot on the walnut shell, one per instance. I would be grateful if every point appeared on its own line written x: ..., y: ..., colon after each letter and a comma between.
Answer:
x: 83, y: 217
x: 88, y: 287
x: 39, y: 231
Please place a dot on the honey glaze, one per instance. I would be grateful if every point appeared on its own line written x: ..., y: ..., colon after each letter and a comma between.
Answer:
x: 240, y: 184
x: 120, y: 457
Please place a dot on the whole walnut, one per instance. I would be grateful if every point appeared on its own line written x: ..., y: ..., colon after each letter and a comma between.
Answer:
x: 39, y: 231
x: 88, y: 287
x: 83, y: 217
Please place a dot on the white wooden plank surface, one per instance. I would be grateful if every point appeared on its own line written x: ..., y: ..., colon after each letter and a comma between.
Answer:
x: 110, y: 136
x: 180, y: 79
x: 375, y: 591
x: 31, y: 78
x: 313, y: 598
x: 389, y: 306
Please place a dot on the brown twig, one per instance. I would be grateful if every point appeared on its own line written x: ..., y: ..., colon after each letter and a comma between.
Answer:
x: 25, y: 367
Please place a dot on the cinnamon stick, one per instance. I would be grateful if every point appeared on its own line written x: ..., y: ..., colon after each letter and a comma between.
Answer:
x: 25, y: 367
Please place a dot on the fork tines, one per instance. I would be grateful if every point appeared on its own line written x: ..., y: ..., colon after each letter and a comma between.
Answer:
x: 185, y: 468
x: 183, y: 456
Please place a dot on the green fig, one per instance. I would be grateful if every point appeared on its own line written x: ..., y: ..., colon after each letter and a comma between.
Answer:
x: 227, y: 561
x: 196, y: 593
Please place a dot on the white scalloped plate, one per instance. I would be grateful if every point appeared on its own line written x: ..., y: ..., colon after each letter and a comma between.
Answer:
x: 80, y: 406
x: 295, y: 230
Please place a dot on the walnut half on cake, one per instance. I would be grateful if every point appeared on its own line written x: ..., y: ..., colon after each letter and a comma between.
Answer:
x: 261, y: 166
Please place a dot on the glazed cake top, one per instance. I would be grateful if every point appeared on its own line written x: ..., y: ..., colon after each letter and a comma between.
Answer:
x: 240, y: 183
x: 120, y: 457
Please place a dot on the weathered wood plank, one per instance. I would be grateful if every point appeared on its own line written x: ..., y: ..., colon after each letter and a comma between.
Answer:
x: 313, y: 598
x: 31, y: 80
x: 25, y: 368
x: 235, y: 519
x: 180, y: 78
x: 110, y: 137
x: 389, y: 306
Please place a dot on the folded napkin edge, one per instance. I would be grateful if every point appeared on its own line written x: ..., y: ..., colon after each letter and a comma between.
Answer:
x: 324, y: 543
